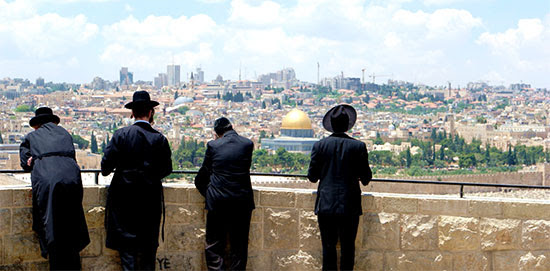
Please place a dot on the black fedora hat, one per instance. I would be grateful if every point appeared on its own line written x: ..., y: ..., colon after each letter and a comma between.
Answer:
x: 141, y: 98
x: 43, y: 115
x: 343, y: 115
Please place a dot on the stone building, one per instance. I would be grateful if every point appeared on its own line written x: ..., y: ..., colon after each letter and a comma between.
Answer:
x: 296, y: 134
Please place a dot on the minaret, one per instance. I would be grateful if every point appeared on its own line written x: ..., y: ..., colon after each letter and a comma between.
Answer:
x: 192, y: 82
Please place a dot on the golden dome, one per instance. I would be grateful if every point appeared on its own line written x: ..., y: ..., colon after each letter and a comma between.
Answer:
x: 296, y: 119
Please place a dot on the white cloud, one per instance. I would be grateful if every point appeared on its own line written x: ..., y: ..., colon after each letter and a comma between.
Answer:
x: 148, y: 45
x: 160, y: 31
x: 267, y: 13
x: 43, y: 36
x: 128, y: 8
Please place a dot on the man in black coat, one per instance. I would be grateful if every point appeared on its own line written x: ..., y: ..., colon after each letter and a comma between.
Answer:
x: 57, y: 214
x: 140, y: 157
x: 340, y: 163
x: 224, y: 180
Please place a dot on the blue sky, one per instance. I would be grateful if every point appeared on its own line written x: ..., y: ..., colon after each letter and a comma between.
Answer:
x: 427, y: 41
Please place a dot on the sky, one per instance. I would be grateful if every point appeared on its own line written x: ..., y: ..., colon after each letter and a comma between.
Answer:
x: 427, y: 41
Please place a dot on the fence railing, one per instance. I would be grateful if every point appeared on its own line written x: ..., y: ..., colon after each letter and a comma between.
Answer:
x: 96, y: 173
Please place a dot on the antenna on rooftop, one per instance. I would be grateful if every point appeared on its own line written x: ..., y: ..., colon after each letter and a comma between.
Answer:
x: 240, y: 63
x: 318, y: 73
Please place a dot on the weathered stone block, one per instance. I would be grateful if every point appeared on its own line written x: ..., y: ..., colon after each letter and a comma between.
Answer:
x: 256, y: 195
x: 96, y: 243
x: 277, y: 199
x: 5, y: 221
x: 534, y: 261
x: 91, y: 196
x: 397, y: 205
x: 369, y: 261
x: 506, y: 260
x: 259, y: 260
x: 95, y: 216
x: 255, y: 238
x: 281, y: 228
x: 370, y: 204
x: 310, y: 237
x: 180, y: 261
x: 470, y: 261
x: 481, y: 208
x: 185, y: 238
x: 19, y: 248
x: 453, y: 207
x: 458, y: 233
x: 419, y: 232
x: 418, y: 260
x: 22, y: 197
x: 305, y: 200
x: 102, y: 263
x: 176, y: 195
x: 381, y: 231
x: 103, y: 195
x: 257, y: 215
x: 6, y: 198
x: 536, y: 234
x: 296, y: 260
x: 522, y: 210
x: 21, y: 220
x: 195, y: 197
x: 184, y: 214
x: 499, y: 234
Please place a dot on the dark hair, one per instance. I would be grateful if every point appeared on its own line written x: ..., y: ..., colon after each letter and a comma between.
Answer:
x: 141, y: 111
x: 340, y: 123
x: 222, y: 125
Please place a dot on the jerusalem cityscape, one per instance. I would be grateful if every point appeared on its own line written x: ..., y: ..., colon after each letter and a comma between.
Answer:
x: 452, y: 105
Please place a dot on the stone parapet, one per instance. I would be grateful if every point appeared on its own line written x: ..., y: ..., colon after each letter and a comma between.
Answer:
x: 396, y: 232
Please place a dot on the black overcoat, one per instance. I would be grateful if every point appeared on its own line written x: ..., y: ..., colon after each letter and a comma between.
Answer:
x: 140, y: 157
x: 339, y: 162
x: 224, y: 177
x: 57, y: 214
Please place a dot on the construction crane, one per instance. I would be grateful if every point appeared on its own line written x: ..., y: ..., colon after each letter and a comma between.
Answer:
x: 373, y: 76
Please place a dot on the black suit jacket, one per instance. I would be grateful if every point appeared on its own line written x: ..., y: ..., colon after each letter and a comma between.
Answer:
x: 141, y: 156
x: 224, y: 178
x: 340, y: 162
x: 57, y: 214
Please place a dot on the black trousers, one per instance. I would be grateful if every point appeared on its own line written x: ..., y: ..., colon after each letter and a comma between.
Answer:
x: 63, y: 259
x: 334, y: 227
x: 221, y: 226
x: 132, y: 260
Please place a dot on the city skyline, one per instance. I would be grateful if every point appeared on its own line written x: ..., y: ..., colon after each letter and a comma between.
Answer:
x: 428, y: 41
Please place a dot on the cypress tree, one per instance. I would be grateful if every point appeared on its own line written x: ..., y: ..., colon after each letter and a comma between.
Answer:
x: 93, y: 144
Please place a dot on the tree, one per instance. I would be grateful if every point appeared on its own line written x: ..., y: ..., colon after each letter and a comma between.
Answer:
x: 103, y: 145
x: 1, y: 140
x: 93, y: 144
x: 81, y: 142
x: 175, y: 95
x: 263, y: 105
x: 510, y: 156
x: 24, y: 108
x: 408, y: 157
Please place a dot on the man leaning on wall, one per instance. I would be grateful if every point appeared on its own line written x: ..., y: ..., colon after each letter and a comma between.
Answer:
x: 140, y: 157
x: 339, y: 162
x: 224, y: 180
x: 57, y: 213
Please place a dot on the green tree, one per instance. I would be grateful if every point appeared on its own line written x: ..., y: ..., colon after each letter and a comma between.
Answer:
x: 93, y: 144
x: 24, y: 108
x: 80, y: 142
x: 1, y: 140
x: 408, y: 157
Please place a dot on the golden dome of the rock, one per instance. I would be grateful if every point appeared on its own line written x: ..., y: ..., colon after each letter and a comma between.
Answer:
x: 296, y: 119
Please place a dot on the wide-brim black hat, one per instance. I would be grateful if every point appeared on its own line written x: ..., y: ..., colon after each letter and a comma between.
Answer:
x: 337, y: 113
x: 43, y: 115
x: 141, y: 99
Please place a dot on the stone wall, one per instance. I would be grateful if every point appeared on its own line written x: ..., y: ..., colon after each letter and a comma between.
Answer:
x: 525, y: 178
x: 397, y: 232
